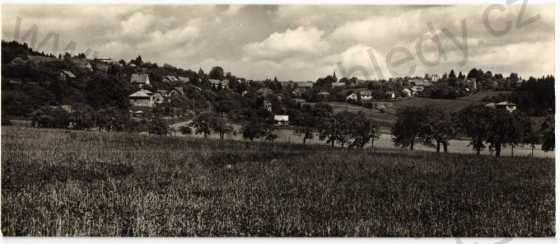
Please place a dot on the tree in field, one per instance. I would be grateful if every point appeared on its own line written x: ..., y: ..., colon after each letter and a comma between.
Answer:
x: 532, y: 137
x: 306, y: 126
x: 202, y: 124
x: 344, y: 123
x: 547, y: 129
x: 254, y: 129
x: 502, y: 129
x: 408, y: 127
x: 328, y: 131
x: 158, y: 126
x: 362, y: 130
x: 83, y: 116
x: 308, y: 121
x: 50, y: 117
x: 219, y: 125
x: 335, y: 129
x: 520, y: 130
x: 473, y: 122
x: 438, y: 128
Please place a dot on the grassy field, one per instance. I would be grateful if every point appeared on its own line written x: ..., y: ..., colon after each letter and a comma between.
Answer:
x: 58, y: 183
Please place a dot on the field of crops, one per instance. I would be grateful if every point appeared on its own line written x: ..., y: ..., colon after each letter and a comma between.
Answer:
x: 58, y: 183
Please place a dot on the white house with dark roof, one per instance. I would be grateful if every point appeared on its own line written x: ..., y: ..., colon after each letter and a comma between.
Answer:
x: 142, y: 98
x: 140, y: 79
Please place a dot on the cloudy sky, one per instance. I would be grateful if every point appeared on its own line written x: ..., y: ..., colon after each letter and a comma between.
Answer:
x: 302, y: 42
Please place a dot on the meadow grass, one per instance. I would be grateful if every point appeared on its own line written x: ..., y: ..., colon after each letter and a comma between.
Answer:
x: 61, y: 183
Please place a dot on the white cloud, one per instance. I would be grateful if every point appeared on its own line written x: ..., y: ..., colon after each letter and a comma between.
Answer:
x: 301, y: 41
x: 137, y: 24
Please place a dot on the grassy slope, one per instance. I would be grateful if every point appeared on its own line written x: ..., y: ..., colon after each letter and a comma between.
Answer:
x: 86, y: 183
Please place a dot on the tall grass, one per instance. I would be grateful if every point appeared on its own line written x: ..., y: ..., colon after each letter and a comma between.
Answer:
x: 57, y: 183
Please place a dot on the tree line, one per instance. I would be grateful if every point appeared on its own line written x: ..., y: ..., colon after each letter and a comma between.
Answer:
x: 484, y: 126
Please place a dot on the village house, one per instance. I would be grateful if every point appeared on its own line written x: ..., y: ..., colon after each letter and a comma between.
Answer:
x: 184, y: 79
x: 352, y: 97
x: 142, y: 98
x: 471, y: 83
x: 281, y: 119
x: 299, y: 101
x: 406, y: 92
x: 505, y: 105
x: 420, y: 82
x: 324, y: 94
x: 81, y: 63
x: 158, y: 98
x: 169, y: 78
x: 37, y: 59
x: 163, y: 92
x: 140, y: 80
x: 177, y: 91
x: 18, y: 61
x: 390, y: 95
x: 365, y: 95
x: 65, y: 75
x: 338, y: 84
x: 218, y: 83
x: 304, y: 84
x: 417, y: 90
x: 267, y: 105
x: 102, y: 64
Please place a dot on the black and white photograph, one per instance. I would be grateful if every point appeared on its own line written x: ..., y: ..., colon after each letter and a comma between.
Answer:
x: 278, y: 120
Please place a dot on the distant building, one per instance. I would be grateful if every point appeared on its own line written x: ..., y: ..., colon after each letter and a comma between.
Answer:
x: 158, y: 98
x: 406, y: 92
x: 102, y: 64
x: 324, y: 94
x: 352, y: 97
x: 66, y: 75
x: 420, y: 82
x: 281, y: 119
x: 169, y: 78
x: 219, y: 83
x: 36, y: 59
x: 267, y: 105
x: 416, y: 90
x: 471, y: 83
x: 338, y: 84
x: 140, y: 79
x: 390, y: 95
x: 18, y: 61
x: 142, y: 98
x: 184, y: 79
x: 365, y: 95
x: 304, y: 84
x: 177, y: 91
x: 508, y: 106
x: 81, y: 63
